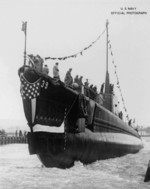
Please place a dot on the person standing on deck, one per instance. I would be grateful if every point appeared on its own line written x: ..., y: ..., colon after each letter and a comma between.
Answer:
x: 80, y: 81
x: 81, y: 84
x: 38, y: 63
x: 45, y: 69
x: 86, y: 88
x: 56, y: 71
x: 76, y: 79
x: 86, y: 83
x: 68, y: 78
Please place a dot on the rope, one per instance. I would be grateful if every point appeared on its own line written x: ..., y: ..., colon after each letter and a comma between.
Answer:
x: 71, y: 107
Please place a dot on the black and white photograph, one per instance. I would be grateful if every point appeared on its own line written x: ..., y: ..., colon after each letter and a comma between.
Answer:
x: 75, y: 94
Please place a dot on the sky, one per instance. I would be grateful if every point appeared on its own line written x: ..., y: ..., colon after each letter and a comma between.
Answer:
x: 63, y: 28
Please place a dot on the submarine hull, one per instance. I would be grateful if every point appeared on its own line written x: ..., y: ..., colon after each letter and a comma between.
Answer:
x: 62, y: 150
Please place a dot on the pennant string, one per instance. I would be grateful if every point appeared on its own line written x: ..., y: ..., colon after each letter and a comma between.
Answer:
x: 76, y: 54
x: 117, y: 78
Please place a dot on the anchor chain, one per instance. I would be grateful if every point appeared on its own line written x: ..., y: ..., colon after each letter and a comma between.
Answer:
x: 65, y: 116
x: 65, y: 136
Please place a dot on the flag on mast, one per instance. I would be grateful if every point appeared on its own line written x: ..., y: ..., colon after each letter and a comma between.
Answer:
x: 24, y: 27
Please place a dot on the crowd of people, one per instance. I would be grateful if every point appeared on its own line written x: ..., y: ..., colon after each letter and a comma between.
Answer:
x: 78, y: 82
x: 38, y: 64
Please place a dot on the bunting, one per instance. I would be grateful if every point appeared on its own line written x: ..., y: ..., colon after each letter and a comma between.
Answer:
x: 79, y: 53
x: 117, y: 79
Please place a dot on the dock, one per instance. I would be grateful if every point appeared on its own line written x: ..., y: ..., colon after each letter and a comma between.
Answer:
x: 12, y: 140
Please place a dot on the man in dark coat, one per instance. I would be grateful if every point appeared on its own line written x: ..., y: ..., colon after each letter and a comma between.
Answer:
x: 68, y: 78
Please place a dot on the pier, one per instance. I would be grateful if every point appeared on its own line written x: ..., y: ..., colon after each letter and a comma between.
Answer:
x: 12, y: 139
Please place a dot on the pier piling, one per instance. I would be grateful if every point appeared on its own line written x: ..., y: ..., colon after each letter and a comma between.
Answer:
x: 147, y: 176
x: 12, y: 139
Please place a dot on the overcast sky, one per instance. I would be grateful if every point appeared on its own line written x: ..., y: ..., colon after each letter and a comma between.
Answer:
x: 63, y: 28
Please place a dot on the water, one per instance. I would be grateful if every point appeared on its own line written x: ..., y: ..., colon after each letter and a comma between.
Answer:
x: 20, y: 170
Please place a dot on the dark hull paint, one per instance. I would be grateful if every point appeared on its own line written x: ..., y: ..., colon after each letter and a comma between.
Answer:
x: 62, y: 150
